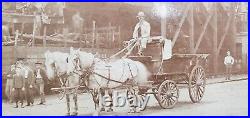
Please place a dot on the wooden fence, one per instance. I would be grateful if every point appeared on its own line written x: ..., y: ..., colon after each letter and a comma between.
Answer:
x: 11, y: 53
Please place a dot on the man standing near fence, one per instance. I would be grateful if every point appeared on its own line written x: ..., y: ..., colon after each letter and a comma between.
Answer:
x: 228, y: 61
x: 29, y: 85
x: 39, y: 80
x: 18, y: 87
x: 9, y: 83
x: 142, y: 32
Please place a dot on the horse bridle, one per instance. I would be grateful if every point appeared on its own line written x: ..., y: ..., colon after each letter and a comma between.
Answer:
x: 58, y: 75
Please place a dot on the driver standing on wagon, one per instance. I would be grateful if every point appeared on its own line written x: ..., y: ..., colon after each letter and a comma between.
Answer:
x: 142, y: 32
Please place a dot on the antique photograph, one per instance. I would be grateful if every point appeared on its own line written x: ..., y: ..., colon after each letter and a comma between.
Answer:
x: 124, y: 58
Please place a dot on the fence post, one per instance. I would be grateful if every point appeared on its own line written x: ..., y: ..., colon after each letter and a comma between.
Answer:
x: 16, y: 37
x: 44, y: 35
x: 109, y: 35
x: 22, y: 28
x: 93, y: 35
x: 34, y: 31
x: 119, y: 33
x: 65, y: 32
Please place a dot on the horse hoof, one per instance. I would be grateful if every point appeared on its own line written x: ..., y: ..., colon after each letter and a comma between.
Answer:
x: 132, y: 110
x: 67, y: 114
x: 74, y: 114
x: 110, y: 110
x: 102, y: 109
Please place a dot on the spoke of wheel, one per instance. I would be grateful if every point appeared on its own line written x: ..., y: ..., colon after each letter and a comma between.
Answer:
x: 172, y: 99
x: 164, y: 89
x: 201, y: 91
x: 172, y: 86
x: 193, y: 85
x: 163, y: 99
x: 197, y: 93
x: 166, y: 102
x: 171, y: 102
x: 175, y: 96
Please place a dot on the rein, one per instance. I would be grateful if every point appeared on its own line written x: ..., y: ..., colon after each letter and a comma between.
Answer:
x: 90, y: 70
x: 60, y: 76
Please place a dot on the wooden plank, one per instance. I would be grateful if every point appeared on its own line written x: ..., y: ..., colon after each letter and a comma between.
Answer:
x: 225, y: 33
x: 215, y: 39
x: 202, y: 33
x: 21, y: 18
x: 180, y: 25
x: 205, y: 14
x: 191, y: 29
x: 44, y: 35
x: 48, y: 38
x: 223, y: 8
x: 93, y: 34
x: 16, y: 37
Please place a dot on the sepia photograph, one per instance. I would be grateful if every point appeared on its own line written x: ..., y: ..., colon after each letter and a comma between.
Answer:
x: 124, y: 59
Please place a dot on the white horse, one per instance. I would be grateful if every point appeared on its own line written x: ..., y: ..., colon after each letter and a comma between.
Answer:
x: 107, y: 75
x: 56, y: 67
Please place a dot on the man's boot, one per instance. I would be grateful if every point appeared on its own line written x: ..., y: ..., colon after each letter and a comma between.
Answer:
x: 16, y: 106
x: 22, y: 105
x: 42, y: 99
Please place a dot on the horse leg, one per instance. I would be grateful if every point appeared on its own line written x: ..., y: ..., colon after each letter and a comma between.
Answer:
x: 132, y: 100
x: 68, y: 104
x: 137, y: 106
x: 95, y: 98
x: 102, y: 93
x: 98, y: 109
x: 76, y: 105
x: 111, y: 101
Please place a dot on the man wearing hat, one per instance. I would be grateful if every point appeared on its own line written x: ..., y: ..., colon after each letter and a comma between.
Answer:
x: 228, y: 61
x: 142, y: 32
x: 9, y: 83
x: 39, y: 80
x: 18, y: 87
x: 29, y: 83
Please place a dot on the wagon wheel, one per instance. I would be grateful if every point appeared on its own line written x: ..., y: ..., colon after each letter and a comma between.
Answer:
x: 197, y: 83
x: 168, y: 94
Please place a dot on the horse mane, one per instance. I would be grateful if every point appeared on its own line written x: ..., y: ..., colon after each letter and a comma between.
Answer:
x: 60, y: 60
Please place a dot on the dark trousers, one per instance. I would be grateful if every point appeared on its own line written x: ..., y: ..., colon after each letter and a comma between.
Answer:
x: 228, y: 71
x: 29, y: 95
x: 18, y: 95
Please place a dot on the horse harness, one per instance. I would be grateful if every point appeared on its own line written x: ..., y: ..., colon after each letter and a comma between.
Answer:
x: 90, y: 70
x: 60, y: 76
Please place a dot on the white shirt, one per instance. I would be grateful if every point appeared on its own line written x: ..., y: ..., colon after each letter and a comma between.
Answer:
x: 229, y: 60
x: 38, y: 74
x: 145, y: 29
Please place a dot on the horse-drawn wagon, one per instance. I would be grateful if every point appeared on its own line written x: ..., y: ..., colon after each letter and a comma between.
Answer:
x: 167, y: 76
x: 181, y: 70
